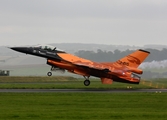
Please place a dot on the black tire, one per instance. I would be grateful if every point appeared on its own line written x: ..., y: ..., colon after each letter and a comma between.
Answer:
x: 49, y: 73
x: 87, y: 82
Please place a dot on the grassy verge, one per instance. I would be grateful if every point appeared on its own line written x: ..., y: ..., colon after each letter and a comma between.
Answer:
x: 61, y: 82
x: 32, y: 79
x: 86, y: 106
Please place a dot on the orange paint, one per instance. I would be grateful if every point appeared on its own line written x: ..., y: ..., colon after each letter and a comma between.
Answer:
x: 123, y: 68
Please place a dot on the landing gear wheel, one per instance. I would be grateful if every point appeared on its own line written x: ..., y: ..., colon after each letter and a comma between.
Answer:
x: 87, y: 82
x: 49, y: 73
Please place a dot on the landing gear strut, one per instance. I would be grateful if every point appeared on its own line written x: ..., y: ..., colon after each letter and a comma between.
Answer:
x: 87, y: 81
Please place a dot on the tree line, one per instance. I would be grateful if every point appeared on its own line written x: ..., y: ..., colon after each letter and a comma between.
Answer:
x: 108, y: 56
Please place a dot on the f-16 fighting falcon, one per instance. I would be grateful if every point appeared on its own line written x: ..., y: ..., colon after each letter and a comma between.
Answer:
x: 123, y: 70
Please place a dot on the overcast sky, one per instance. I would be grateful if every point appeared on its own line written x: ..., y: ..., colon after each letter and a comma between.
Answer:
x: 117, y: 22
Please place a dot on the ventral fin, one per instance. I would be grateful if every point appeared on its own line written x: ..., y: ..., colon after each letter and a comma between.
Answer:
x: 106, y: 81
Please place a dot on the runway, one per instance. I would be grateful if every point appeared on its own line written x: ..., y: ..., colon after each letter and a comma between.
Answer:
x: 81, y: 90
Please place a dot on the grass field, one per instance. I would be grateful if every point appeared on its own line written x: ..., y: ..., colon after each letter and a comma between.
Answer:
x: 71, y: 82
x: 80, y: 106
x: 83, y: 106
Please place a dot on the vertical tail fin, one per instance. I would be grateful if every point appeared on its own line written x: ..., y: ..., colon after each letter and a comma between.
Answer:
x: 134, y: 59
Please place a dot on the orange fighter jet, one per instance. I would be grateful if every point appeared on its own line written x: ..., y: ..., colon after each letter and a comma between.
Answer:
x: 124, y: 70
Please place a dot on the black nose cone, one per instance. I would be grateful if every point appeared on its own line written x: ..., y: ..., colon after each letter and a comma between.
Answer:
x: 20, y: 49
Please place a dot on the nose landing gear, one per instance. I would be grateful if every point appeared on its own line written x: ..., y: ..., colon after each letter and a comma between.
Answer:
x: 49, y: 73
x: 56, y: 69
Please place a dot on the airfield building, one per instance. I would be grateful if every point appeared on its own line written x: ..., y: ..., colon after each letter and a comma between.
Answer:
x: 4, y: 72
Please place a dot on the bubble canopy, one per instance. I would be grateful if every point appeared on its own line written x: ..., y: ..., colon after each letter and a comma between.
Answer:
x: 48, y: 47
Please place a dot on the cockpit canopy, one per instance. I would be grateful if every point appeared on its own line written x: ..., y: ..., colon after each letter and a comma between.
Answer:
x: 48, y: 47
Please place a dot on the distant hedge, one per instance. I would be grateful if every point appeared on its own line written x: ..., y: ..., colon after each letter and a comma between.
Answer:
x: 106, y: 56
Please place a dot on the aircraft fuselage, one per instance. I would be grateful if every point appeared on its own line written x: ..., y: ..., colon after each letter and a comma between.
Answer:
x: 59, y: 59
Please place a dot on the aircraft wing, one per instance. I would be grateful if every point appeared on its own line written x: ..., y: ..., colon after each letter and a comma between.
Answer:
x: 84, y: 63
x: 93, y: 65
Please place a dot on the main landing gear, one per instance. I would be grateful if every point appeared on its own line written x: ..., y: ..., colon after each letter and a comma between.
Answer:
x: 87, y: 81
